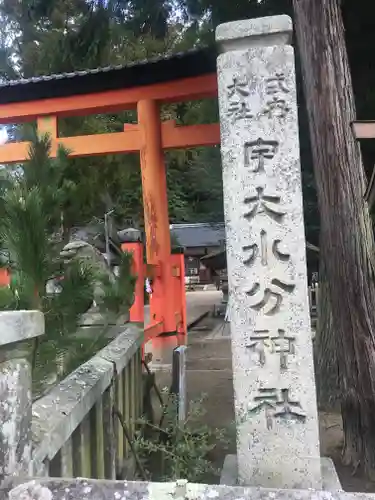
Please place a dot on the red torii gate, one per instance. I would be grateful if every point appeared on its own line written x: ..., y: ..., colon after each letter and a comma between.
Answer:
x: 142, y: 86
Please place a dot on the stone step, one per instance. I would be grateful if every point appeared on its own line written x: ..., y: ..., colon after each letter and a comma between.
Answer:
x: 211, y: 348
x: 209, y: 364
x: 209, y: 354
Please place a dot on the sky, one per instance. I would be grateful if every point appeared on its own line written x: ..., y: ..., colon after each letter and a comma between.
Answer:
x: 3, y: 135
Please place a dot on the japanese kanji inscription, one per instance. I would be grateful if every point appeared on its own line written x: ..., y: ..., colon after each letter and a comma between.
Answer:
x: 263, y: 249
x: 276, y: 84
x: 264, y: 343
x: 259, y: 150
x: 277, y: 403
x: 269, y: 297
x: 266, y: 260
x: 238, y: 92
x: 261, y: 202
x: 276, y: 89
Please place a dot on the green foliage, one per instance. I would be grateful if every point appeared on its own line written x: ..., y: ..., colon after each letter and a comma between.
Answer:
x: 30, y: 231
x: 68, y: 35
x: 75, y: 295
x: 52, y: 37
x: 179, y: 451
x: 119, y: 296
x: 8, y: 299
x: 219, y: 11
x: 24, y: 234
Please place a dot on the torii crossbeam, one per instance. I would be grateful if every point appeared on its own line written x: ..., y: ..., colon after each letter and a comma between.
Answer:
x: 144, y: 87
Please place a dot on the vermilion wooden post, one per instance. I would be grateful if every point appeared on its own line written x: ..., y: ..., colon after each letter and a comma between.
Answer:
x: 47, y: 125
x: 4, y: 277
x: 136, y: 313
x: 178, y: 266
x: 155, y: 202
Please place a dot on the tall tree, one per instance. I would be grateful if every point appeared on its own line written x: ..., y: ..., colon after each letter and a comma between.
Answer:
x: 30, y: 231
x: 220, y: 11
x: 64, y: 36
x: 345, y: 220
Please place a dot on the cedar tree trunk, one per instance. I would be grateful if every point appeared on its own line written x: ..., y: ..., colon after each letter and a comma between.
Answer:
x: 325, y: 357
x: 345, y: 221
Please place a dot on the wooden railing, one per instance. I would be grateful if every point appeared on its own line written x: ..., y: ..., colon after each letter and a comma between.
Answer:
x: 76, y: 430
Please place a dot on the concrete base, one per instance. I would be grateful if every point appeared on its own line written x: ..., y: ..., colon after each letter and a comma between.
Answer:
x: 78, y: 489
x: 330, y: 478
x: 228, y: 476
x: 331, y: 481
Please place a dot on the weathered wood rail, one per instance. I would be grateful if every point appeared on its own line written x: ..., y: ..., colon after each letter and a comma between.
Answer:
x: 74, y: 430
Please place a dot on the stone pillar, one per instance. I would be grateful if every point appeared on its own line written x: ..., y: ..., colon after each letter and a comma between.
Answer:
x: 275, y: 401
x: 17, y: 329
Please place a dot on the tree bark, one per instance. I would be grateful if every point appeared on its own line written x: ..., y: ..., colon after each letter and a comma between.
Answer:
x: 345, y: 221
x: 325, y: 356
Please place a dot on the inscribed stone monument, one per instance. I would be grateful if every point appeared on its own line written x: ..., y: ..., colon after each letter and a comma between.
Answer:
x: 275, y: 399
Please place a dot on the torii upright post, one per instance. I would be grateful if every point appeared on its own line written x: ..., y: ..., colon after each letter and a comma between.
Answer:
x: 155, y: 201
x: 37, y: 102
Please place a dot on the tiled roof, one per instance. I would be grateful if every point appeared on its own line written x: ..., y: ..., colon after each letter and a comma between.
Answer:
x: 159, y: 69
x: 199, y: 235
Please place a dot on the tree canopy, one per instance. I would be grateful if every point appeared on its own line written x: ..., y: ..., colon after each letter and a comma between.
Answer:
x: 53, y: 36
x: 41, y: 37
x: 46, y: 275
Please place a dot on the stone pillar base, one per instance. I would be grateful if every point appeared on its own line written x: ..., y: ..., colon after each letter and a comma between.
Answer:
x: 330, y: 479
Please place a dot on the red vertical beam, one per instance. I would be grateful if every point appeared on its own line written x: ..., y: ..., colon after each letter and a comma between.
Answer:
x: 47, y: 125
x: 4, y: 277
x: 178, y: 266
x: 155, y: 202
x: 136, y: 313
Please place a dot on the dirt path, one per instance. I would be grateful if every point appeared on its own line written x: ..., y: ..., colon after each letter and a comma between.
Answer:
x: 331, y: 442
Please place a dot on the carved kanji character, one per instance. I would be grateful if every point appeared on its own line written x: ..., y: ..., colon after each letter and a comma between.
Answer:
x: 239, y: 88
x: 279, y: 254
x: 269, y: 298
x: 262, y: 202
x: 266, y: 399
x: 289, y: 409
x: 264, y: 249
x: 258, y: 343
x: 276, y: 403
x: 237, y: 93
x: 259, y: 150
x: 276, y: 108
x: 284, y: 345
x: 239, y: 110
x: 276, y: 84
x: 254, y: 251
x: 262, y: 340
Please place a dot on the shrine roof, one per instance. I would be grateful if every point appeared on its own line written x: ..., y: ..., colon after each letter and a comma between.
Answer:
x: 201, y: 234
x: 165, y: 68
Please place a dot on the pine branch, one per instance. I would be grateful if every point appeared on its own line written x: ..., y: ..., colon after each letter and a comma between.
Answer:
x: 24, y: 234
x: 118, y: 296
